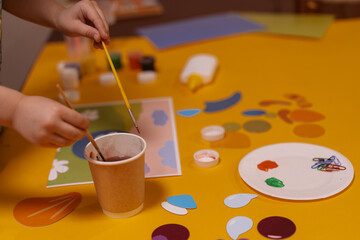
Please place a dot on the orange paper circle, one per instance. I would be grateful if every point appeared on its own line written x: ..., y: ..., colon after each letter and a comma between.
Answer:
x: 309, y: 130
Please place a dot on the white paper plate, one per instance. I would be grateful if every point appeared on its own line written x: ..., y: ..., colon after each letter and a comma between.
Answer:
x: 294, y: 170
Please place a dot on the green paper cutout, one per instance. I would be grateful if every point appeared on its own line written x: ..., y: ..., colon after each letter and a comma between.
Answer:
x: 303, y: 25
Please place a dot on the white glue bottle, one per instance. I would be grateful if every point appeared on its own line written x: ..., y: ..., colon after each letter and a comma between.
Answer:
x: 199, y: 70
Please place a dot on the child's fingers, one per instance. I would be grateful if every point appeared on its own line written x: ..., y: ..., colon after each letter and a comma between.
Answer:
x: 75, y: 119
x: 69, y: 132
x: 104, y: 35
x: 59, y: 141
x: 92, y: 15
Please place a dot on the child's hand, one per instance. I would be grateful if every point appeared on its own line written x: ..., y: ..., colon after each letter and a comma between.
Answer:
x: 86, y: 19
x: 48, y: 123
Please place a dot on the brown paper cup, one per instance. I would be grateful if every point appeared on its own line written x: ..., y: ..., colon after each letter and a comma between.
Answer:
x: 120, y: 185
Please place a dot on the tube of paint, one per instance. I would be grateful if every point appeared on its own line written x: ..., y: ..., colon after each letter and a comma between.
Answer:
x: 199, y: 70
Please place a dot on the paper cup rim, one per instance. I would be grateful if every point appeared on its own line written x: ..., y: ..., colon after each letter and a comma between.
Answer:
x: 117, y: 162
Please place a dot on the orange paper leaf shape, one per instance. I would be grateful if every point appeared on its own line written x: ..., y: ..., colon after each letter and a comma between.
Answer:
x: 42, y: 211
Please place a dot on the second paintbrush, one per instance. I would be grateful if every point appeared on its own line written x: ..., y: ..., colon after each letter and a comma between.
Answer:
x: 120, y: 86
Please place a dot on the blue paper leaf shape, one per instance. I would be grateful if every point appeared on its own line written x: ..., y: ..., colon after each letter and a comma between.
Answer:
x: 184, y: 201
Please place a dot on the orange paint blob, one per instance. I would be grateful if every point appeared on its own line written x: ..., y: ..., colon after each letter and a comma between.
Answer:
x: 232, y: 140
x: 266, y: 165
x: 303, y: 115
x: 309, y: 130
x: 42, y: 211
x: 304, y: 104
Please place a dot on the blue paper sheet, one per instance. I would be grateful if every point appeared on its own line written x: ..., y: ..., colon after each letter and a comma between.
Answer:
x: 197, y: 29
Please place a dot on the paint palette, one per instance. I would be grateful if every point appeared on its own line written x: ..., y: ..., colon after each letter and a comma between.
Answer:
x: 292, y: 177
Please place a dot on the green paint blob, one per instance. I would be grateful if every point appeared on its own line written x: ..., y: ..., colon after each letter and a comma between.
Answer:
x: 271, y: 115
x: 274, y: 182
x: 232, y: 126
x: 257, y: 126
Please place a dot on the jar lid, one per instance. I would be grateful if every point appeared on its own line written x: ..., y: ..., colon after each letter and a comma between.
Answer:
x: 146, y: 76
x: 213, y: 133
x: 206, y: 158
x: 107, y: 78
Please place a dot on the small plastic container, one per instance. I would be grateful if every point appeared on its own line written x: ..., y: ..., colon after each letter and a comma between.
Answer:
x: 147, y: 63
x: 69, y: 78
x: 213, y: 133
x: 146, y: 76
x: 199, y: 70
x: 107, y: 78
x: 206, y: 158
x: 72, y: 96
x: 134, y: 59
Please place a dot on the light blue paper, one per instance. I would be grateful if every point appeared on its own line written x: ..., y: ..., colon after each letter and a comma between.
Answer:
x: 238, y: 225
x: 239, y: 200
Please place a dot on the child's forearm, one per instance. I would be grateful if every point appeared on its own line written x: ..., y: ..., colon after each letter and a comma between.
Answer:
x: 9, y: 99
x: 42, y: 12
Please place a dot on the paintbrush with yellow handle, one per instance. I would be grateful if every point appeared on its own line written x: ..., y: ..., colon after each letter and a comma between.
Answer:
x: 120, y: 86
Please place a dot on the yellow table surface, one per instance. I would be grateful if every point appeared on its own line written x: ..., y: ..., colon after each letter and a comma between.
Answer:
x: 260, y: 66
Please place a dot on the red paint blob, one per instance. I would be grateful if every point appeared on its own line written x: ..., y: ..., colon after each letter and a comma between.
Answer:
x: 284, y: 115
x: 271, y: 102
x: 172, y: 232
x: 266, y: 165
x: 276, y: 227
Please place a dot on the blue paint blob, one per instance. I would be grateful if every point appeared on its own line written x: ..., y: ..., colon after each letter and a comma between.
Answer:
x: 239, y: 200
x: 147, y: 169
x: 79, y: 146
x: 216, y: 106
x: 168, y: 154
x: 253, y: 112
x: 188, y: 112
x: 184, y: 201
x: 238, y: 225
x: 160, y: 117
